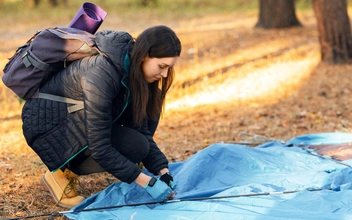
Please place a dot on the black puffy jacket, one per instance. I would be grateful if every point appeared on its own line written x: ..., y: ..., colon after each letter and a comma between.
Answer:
x: 58, y: 136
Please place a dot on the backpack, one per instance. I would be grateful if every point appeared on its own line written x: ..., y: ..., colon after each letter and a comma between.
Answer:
x: 43, y: 55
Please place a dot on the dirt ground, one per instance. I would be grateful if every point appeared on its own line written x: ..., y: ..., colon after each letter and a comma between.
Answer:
x: 234, y: 84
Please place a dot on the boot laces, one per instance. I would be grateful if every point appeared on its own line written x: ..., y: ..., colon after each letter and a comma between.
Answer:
x: 72, y: 185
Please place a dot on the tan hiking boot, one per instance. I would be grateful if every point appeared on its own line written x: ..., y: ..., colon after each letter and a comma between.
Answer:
x: 63, y: 187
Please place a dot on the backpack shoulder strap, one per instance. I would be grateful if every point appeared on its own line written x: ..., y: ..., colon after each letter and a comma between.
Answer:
x: 77, y: 105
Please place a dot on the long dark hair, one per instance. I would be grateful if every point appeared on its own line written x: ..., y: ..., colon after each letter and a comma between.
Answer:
x: 148, y: 98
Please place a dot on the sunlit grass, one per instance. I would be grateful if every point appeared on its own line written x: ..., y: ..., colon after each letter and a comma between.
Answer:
x: 241, y: 52
x: 13, y: 137
x: 258, y: 86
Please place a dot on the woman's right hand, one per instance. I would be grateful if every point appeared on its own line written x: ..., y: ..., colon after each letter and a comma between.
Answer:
x: 159, y: 190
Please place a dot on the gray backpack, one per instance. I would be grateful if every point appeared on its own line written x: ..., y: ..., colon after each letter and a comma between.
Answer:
x: 45, y: 54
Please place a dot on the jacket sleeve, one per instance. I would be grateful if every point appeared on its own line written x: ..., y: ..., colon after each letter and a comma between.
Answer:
x: 155, y: 160
x: 100, y: 85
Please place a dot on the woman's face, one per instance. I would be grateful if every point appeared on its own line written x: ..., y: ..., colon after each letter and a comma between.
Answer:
x: 156, y: 68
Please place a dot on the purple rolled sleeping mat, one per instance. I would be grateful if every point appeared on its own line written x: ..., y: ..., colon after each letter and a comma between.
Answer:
x: 89, y: 17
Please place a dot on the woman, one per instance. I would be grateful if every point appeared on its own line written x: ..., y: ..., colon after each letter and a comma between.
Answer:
x: 123, y: 90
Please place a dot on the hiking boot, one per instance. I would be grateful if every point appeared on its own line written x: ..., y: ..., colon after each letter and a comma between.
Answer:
x: 63, y: 187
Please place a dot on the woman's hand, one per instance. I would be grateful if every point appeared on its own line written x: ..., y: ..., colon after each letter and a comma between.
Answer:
x: 155, y: 187
x: 167, y: 178
x: 159, y: 190
x: 142, y: 179
x: 162, y: 171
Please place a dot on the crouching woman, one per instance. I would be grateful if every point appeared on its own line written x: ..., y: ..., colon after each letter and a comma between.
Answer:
x: 123, y: 91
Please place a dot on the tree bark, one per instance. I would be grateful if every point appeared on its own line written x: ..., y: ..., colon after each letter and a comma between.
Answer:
x: 334, y: 31
x: 277, y: 14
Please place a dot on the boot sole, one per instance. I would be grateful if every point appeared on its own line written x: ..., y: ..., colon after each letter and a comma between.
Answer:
x: 47, y: 186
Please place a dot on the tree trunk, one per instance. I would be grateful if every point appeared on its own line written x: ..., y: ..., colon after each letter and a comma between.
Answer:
x: 334, y: 30
x: 36, y: 3
x: 277, y: 14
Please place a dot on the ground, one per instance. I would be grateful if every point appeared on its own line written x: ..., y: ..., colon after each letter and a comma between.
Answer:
x: 234, y: 84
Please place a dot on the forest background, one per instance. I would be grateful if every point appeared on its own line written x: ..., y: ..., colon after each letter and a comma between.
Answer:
x: 234, y: 83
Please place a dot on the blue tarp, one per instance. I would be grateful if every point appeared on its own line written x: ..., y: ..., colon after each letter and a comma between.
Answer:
x: 225, y: 170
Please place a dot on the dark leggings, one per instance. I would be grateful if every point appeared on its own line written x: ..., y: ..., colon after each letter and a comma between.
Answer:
x: 129, y: 142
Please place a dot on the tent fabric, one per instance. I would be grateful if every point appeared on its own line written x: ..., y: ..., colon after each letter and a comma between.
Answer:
x: 231, y: 169
x: 321, y: 139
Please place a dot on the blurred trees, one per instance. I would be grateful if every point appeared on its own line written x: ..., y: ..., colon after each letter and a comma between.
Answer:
x: 333, y: 25
x: 277, y: 14
x: 147, y: 2
x: 334, y: 30
x: 53, y: 3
